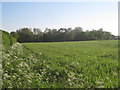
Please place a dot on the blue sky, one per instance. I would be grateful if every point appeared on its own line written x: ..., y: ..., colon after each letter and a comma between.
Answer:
x: 88, y: 15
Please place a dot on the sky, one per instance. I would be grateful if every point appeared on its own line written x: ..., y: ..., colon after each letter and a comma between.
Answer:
x: 88, y: 15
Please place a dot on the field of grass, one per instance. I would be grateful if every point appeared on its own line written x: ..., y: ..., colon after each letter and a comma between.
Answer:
x: 81, y: 64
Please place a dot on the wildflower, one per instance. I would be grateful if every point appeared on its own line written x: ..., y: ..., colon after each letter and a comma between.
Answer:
x: 115, y: 73
x: 7, y: 63
x: 23, y: 64
x: 70, y: 83
x: 47, y: 79
x: 57, y: 73
x: 107, y: 78
x: 16, y: 57
x: 6, y: 75
x: 99, y: 82
x: 40, y: 53
x: 100, y: 86
x: 29, y: 81
x: 14, y: 76
x: 49, y: 74
x: 1, y: 71
x: 47, y: 66
x: 68, y: 80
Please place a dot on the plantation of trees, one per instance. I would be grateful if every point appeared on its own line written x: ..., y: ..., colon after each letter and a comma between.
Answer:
x: 62, y: 34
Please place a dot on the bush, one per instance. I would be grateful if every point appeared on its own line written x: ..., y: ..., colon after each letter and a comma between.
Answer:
x: 7, y: 39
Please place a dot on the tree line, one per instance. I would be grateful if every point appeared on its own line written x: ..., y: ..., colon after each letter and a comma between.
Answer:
x: 62, y: 34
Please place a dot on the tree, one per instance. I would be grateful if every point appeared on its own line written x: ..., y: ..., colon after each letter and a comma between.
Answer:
x: 62, y: 34
x: 25, y: 35
x: 15, y: 35
x: 36, y: 31
x: 79, y: 34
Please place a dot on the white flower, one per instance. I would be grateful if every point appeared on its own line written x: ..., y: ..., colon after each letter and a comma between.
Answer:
x: 115, y: 73
x: 99, y: 82
x: 1, y: 71
x: 40, y: 53
x: 107, y: 78
x: 6, y: 75
x: 14, y: 76
x: 22, y: 64
x: 100, y: 86
x: 29, y: 81
x: 69, y: 80
x: 57, y: 73
x: 16, y: 57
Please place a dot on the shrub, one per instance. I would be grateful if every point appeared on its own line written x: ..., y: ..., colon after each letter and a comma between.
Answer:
x: 7, y: 39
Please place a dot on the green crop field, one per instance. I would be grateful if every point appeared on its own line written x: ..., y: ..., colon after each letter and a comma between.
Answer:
x: 80, y: 64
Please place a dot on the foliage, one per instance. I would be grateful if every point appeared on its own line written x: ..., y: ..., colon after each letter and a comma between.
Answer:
x: 62, y: 34
x: 15, y: 35
x: 7, y: 39
x: 84, y: 64
x: 25, y: 35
